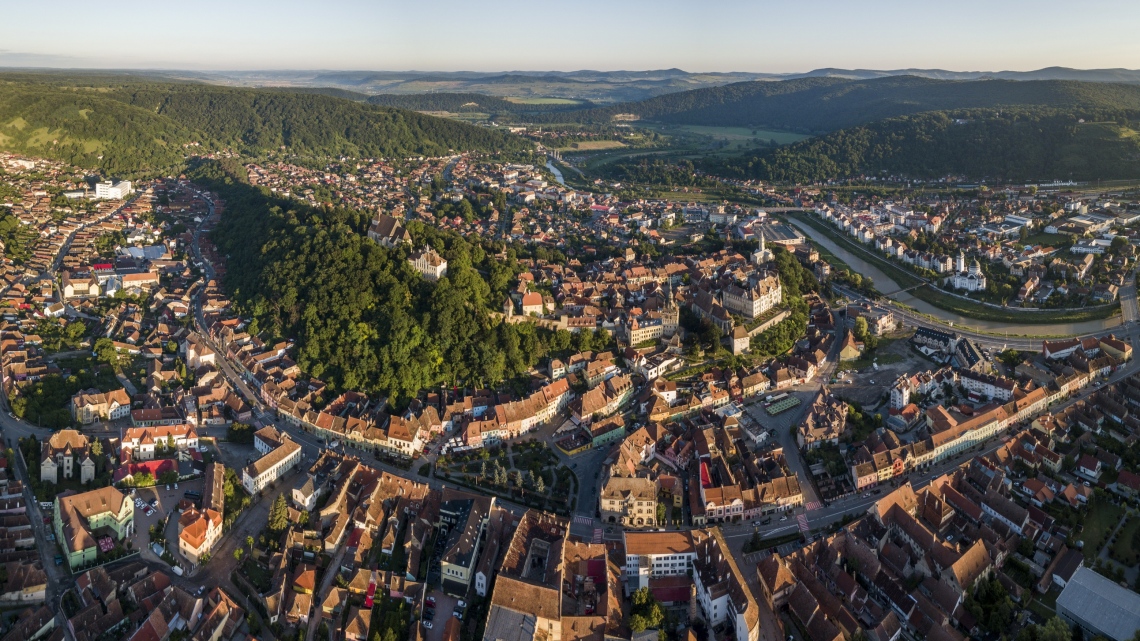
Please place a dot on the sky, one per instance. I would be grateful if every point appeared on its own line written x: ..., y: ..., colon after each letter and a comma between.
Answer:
x: 774, y: 36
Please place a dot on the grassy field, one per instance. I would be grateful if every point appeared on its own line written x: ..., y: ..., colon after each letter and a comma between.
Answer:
x: 1047, y: 240
x: 542, y: 101
x: 691, y: 196
x: 1124, y: 549
x: 867, y: 360
x: 473, y: 116
x: 1102, y: 517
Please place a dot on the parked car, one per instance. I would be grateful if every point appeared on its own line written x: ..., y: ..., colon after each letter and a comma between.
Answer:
x: 784, y: 517
x: 427, y: 624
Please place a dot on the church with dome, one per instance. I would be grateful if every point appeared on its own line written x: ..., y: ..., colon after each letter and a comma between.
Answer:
x: 972, y: 279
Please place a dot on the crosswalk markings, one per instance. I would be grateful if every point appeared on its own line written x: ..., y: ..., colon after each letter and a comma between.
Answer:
x: 803, y: 522
x: 812, y: 505
x: 584, y: 520
x: 597, y: 535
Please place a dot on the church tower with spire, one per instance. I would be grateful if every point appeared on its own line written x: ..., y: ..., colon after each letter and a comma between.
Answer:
x: 762, y: 254
x: 670, y: 313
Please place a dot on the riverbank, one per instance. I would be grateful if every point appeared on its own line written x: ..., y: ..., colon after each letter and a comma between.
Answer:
x: 966, y: 308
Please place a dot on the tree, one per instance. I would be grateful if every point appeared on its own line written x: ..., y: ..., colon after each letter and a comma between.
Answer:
x: 105, y: 352
x: 278, y: 515
x: 237, y: 553
x: 240, y: 433
x: 249, y: 542
x: 660, y: 513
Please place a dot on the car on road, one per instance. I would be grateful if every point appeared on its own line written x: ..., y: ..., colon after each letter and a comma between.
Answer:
x: 766, y: 521
x: 866, y: 495
x: 427, y: 624
x: 176, y: 486
x: 784, y: 517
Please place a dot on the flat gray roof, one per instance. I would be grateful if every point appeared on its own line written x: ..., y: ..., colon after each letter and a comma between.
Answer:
x: 504, y: 624
x: 1101, y: 604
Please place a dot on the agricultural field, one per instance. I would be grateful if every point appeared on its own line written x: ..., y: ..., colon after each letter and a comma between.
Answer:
x: 594, y: 145
x: 542, y: 101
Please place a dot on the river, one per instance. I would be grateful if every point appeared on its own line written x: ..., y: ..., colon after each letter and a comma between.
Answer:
x: 885, y: 284
x: 557, y: 173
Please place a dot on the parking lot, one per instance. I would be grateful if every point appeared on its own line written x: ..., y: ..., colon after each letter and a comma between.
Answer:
x: 165, y: 502
x: 444, y: 606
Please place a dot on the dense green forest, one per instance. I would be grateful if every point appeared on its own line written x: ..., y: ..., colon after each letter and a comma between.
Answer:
x: 131, y: 127
x: 362, y: 317
x: 654, y: 171
x: 816, y: 105
x: 468, y: 102
x: 1011, y: 144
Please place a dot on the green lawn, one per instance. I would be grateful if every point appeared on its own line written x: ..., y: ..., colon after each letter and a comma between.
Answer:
x: 1125, y: 549
x: 878, y: 355
x: 1047, y: 240
x: 1101, y: 518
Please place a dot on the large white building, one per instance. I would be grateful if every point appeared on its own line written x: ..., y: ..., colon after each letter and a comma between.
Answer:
x: 141, y: 443
x: 113, y: 190
x: 654, y: 554
x: 972, y: 279
x: 258, y: 475
x: 429, y: 263
x: 762, y: 292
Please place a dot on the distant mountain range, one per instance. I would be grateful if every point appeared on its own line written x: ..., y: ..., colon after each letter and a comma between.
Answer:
x: 827, y: 103
x: 603, y: 87
x: 606, y: 86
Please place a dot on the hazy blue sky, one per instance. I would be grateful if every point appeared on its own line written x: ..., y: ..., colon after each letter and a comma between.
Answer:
x: 701, y: 35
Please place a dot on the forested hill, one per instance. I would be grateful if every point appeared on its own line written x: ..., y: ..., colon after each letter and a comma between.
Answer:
x: 1010, y: 144
x: 363, y: 318
x: 469, y: 102
x: 127, y: 128
x: 816, y: 105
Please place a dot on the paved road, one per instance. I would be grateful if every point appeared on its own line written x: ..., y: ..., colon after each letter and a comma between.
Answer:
x: 1129, y: 331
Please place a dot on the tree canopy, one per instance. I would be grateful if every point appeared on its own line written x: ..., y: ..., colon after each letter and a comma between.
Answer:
x: 128, y: 127
x: 1009, y: 144
x: 362, y: 317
